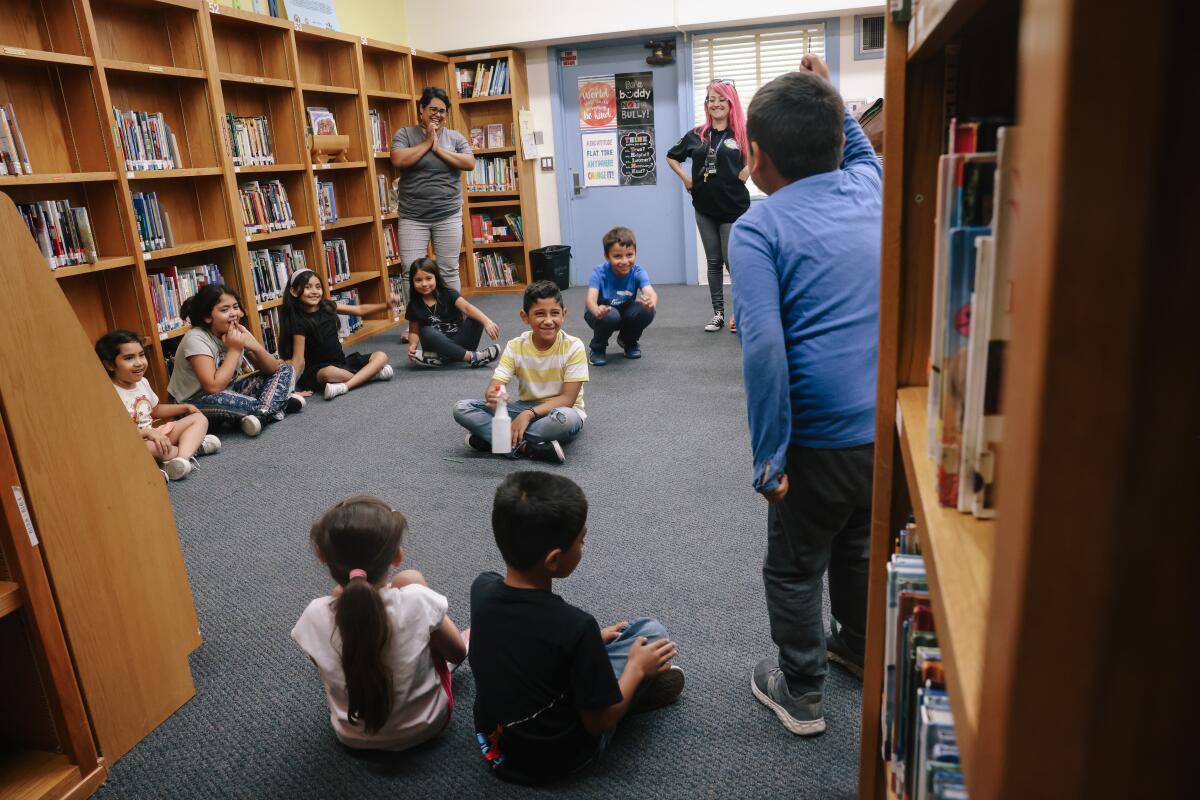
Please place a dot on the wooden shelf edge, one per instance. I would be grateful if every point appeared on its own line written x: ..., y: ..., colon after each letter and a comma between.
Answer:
x: 319, y: 87
x: 354, y: 280
x: 384, y: 94
x: 339, y: 165
x: 513, y: 289
x: 490, y: 245
x: 35, y: 774
x: 184, y: 249
x: 491, y: 98
x: 18, y: 54
x: 958, y: 561
x: 257, y: 80
x: 371, y: 327
x: 347, y: 222
x: 493, y: 203
x: 267, y: 305
x: 41, y: 178
x: 10, y: 597
x: 164, y: 174
x: 253, y: 168
x: 174, y: 333
x: 118, y: 65
x: 299, y: 230
x: 940, y: 20
x: 100, y: 265
x: 486, y: 151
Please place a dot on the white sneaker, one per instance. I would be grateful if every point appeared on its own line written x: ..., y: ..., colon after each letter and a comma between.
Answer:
x: 333, y: 390
x: 715, y: 324
x: 386, y: 373
x: 177, y: 468
x: 251, y: 425
x: 209, y: 445
x: 295, y: 403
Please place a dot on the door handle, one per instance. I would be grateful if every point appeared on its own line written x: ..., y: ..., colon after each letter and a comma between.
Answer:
x: 576, y: 185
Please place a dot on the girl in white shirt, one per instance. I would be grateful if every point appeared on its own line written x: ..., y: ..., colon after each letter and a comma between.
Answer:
x: 380, y: 646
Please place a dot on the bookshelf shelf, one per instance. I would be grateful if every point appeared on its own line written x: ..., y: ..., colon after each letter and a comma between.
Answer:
x: 472, y: 196
x: 370, y: 328
x: 495, y: 98
x: 184, y: 249
x: 116, y: 65
x: 390, y: 215
x: 10, y: 597
x: 20, y: 54
x: 257, y: 80
x: 492, y: 151
x: 174, y: 334
x: 335, y: 165
x: 267, y: 305
x: 325, y: 89
x: 299, y: 230
x: 395, y: 262
x: 263, y: 168
x: 383, y: 154
x: 53, y: 178
x: 490, y: 245
x: 347, y: 222
x: 515, y: 203
x: 519, y: 286
x: 34, y: 774
x: 354, y: 279
x: 100, y: 266
x: 382, y: 95
x: 164, y: 174
x: 958, y: 552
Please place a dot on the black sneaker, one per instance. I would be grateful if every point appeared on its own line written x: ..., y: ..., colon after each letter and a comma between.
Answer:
x: 550, y: 451
x: 476, y: 443
x: 663, y: 690
x: 840, y: 653
x: 486, y: 356
x: 631, y: 350
x: 801, y: 715
x: 295, y: 403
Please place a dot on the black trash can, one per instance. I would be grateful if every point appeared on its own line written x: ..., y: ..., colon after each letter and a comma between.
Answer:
x: 551, y: 263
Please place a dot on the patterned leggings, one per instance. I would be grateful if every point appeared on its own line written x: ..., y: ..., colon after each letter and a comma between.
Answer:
x: 263, y: 395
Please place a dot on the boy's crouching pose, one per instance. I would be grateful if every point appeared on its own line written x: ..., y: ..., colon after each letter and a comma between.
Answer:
x: 550, y: 684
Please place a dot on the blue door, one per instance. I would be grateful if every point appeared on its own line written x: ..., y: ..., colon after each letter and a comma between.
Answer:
x: 655, y: 212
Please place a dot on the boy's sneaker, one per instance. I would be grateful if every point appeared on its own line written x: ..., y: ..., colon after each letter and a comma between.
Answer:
x: 631, y: 350
x: 476, y: 443
x: 551, y: 451
x: 597, y: 358
x: 385, y: 374
x: 209, y: 444
x: 663, y: 690
x: 801, y: 715
x: 732, y: 325
x: 841, y: 653
x: 428, y: 360
x: 484, y: 357
x: 295, y: 403
x: 333, y: 390
x: 177, y: 468
x: 251, y: 425
x: 715, y: 324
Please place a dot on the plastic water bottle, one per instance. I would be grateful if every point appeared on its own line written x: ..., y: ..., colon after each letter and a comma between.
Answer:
x: 501, y: 426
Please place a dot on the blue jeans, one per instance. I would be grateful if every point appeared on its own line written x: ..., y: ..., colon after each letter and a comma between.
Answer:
x: 618, y: 649
x: 561, y: 425
x: 629, y: 320
x: 265, y: 396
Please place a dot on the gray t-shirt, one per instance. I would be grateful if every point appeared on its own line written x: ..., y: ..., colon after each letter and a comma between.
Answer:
x: 184, y: 385
x: 431, y: 189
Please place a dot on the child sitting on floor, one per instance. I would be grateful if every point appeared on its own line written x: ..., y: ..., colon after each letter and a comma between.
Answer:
x: 442, y: 326
x: 551, y: 684
x: 551, y: 369
x: 173, y: 444
x: 620, y: 298
x: 309, y: 338
x: 380, y: 645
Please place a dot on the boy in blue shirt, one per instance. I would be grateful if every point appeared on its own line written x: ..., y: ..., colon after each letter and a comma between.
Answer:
x: 806, y: 263
x: 613, y: 301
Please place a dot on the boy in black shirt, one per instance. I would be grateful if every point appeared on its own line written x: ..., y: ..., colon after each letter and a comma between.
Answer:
x: 550, y: 684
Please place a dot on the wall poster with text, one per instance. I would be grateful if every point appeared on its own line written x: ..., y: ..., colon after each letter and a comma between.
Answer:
x: 625, y: 156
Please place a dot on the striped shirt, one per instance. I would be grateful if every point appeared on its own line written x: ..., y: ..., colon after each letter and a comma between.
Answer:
x: 541, y: 373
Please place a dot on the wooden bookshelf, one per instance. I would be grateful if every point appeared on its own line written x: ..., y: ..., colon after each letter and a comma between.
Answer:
x: 1034, y: 609
x: 479, y: 112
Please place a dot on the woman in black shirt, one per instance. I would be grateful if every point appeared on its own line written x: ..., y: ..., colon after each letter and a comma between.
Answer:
x: 717, y: 184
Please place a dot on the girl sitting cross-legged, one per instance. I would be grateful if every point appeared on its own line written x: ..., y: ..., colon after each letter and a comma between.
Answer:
x: 442, y: 326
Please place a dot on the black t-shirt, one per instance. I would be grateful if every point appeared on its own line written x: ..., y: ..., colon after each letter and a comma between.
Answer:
x: 443, y: 315
x: 320, y: 331
x: 723, y: 196
x: 537, y: 662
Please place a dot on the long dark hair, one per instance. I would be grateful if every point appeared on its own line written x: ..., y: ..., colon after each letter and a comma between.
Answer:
x: 198, y: 308
x: 364, y: 533
x: 294, y: 318
x: 426, y: 264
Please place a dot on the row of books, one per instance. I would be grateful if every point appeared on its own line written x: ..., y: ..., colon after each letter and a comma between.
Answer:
x: 389, y: 199
x: 397, y: 292
x: 347, y: 323
x: 265, y: 206
x: 269, y: 7
x: 493, y: 174
x: 337, y: 261
x: 493, y: 269
x: 497, y: 134
x: 14, y: 158
x: 917, y: 724
x: 391, y: 242
x: 248, y: 140
x: 147, y: 140
x: 269, y: 320
x: 486, y: 229
x: 972, y: 303
x: 63, y: 232
x: 485, y: 79
x: 381, y: 140
x: 272, y: 268
x: 171, y: 286
x: 153, y: 222
x: 327, y: 202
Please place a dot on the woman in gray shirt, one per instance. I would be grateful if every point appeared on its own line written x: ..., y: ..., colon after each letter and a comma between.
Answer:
x: 431, y: 159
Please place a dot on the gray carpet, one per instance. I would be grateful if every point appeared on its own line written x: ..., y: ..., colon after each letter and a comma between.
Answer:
x: 675, y: 531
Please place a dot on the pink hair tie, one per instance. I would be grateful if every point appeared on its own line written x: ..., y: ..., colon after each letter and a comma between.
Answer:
x: 357, y: 573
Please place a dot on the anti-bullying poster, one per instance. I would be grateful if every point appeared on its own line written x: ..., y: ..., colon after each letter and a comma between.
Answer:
x: 624, y: 101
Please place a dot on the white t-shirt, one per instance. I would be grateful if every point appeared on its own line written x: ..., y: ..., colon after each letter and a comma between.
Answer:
x: 420, y: 707
x: 139, y: 402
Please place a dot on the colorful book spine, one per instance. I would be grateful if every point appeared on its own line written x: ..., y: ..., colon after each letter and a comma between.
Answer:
x: 265, y: 207
x: 391, y: 242
x: 14, y: 158
x: 249, y: 140
x: 62, y: 232
x: 170, y: 286
x: 347, y: 323
x: 493, y: 174
x: 337, y: 261
x: 147, y: 141
x: 153, y: 223
x: 327, y: 202
x: 493, y: 269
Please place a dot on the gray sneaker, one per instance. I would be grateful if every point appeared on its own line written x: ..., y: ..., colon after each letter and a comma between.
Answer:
x: 801, y: 715
x: 839, y: 652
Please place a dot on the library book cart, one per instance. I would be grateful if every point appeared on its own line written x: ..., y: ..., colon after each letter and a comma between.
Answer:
x: 65, y: 65
x: 96, y: 615
x: 1064, y: 624
x: 515, y: 196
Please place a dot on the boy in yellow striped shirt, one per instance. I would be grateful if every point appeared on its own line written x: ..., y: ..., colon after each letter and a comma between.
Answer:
x: 550, y: 367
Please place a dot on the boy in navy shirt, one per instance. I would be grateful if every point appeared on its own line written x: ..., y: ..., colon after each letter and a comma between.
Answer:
x: 807, y: 264
x: 614, y: 304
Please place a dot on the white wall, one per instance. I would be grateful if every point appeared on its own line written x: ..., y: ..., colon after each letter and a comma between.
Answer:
x: 857, y: 80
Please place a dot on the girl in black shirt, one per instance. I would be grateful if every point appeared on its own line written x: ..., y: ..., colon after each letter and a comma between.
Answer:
x: 717, y: 184
x: 442, y: 326
x: 309, y: 339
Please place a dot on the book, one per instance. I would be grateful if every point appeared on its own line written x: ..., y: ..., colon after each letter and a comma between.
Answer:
x: 265, y: 206
x: 493, y: 174
x: 152, y: 222
x: 327, y: 202
x: 477, y: 138
x: 977, y: 343
x: 147, y: 141
x: 63, y: 233
x: 495, y: 135
x: 170, y: 286
x: 14, y: 158
x: 347, y: 323
x: 493, y: 269
x: 337, y: 261
x: 248, y: 140
x: 391, y: 242
x: 321, y: 121
x: 380, y: 142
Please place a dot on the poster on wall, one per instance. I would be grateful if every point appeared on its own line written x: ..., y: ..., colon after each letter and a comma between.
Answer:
x: 597, y: 102
x: 317, y: 13
x: 600, y: 158
x: 637, y: 156
x: 635, y: 99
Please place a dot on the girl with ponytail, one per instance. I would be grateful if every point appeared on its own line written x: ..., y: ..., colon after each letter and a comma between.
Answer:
x: 381, y: 646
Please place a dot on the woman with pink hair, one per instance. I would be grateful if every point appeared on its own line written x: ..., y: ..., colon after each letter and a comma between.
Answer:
x: 717, y: 184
